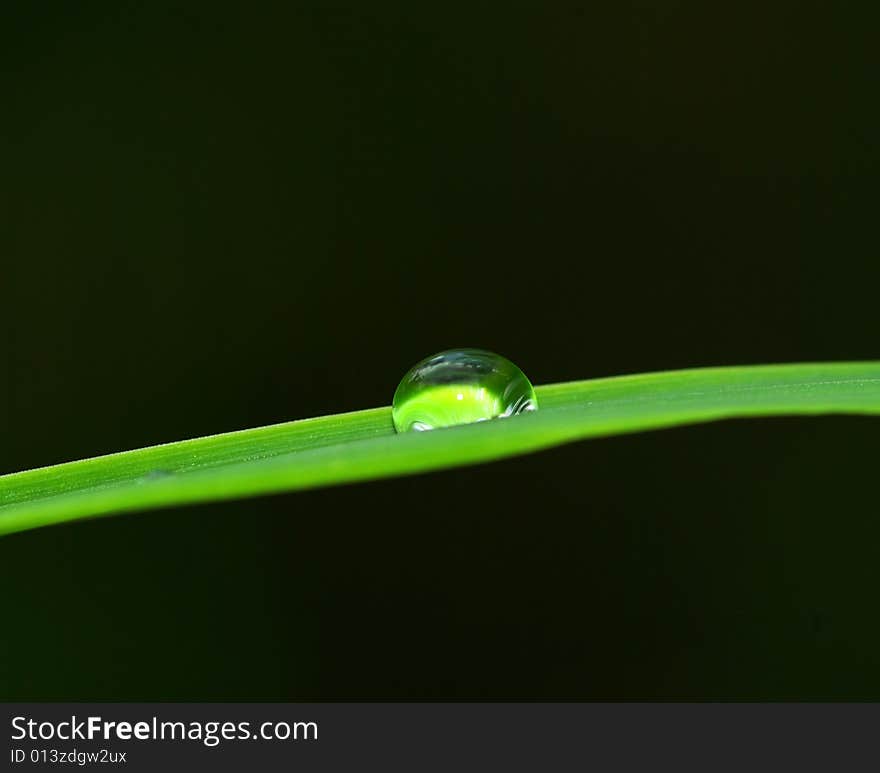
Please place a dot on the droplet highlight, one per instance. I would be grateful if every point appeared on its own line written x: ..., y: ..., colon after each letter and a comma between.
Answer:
x: 460, y: 386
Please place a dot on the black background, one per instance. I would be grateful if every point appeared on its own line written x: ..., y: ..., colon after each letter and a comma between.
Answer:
x: 216, y: 216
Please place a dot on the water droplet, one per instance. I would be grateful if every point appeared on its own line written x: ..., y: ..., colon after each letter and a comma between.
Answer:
x: 157, y: 474
x: 460, y: 386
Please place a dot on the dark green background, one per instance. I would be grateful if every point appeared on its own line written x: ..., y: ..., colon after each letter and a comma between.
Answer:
x: 220, y: 216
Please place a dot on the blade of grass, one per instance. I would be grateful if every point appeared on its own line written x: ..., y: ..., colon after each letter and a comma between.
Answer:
x: 362, y: 445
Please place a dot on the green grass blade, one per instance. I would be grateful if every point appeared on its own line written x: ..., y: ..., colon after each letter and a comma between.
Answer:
x: 363, y: 445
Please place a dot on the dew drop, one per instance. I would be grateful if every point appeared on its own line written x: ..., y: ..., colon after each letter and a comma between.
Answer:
x: 460, y: 386
x: 152, y: 475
